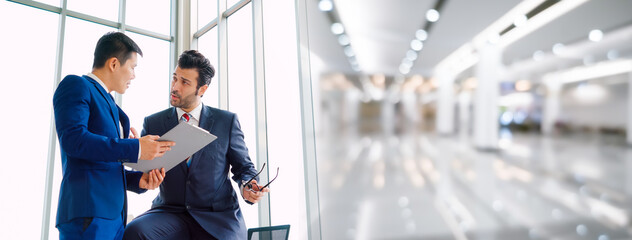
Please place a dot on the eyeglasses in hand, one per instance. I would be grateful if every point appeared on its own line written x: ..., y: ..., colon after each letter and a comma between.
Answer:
x: 249, y: 185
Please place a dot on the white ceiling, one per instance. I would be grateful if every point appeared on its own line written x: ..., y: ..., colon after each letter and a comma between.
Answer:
x: 380, y: 31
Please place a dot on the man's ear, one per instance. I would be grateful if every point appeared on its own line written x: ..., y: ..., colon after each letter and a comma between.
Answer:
x: 202, y: 90
x: 112, y: 63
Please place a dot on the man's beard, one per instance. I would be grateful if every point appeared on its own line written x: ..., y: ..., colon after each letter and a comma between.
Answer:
x: 185, y: 102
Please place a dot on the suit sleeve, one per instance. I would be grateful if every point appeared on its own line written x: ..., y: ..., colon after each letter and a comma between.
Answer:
x: 133, y: 178
x: 143, y: 132
x: 241, y: 165
x: 71, y: 104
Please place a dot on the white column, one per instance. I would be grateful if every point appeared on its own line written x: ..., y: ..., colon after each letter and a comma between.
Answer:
x: 629, y: 129
x: 445, y: 103
x: 551, y: 106
x: 488, y: 72
x: 465, y: 98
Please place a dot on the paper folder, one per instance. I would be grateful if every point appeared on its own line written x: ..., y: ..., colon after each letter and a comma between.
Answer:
x: 189, y: 139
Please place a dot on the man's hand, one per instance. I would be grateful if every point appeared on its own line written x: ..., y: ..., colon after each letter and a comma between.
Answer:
x: 150, y: 148
x: 152, y: 180
x: 254, y: 193
x: 134, y: 133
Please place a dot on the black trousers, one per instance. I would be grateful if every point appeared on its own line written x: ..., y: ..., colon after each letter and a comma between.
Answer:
x: 165, y: 225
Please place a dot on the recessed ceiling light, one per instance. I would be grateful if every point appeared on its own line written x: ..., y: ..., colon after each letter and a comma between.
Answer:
x: 337, y: 28
x: 416, y: 45
x: 343, y: 39
x: 595, y: 35
x: 325, y: 5
x: 613, y: 54
x: 411, y: 55
x: 403, y: 69
x: 421, y: 34
x: 349, y: 52
x: 432, y: 15
x: 520, y: 20
x: 558, y: 48
x: 538, y: 55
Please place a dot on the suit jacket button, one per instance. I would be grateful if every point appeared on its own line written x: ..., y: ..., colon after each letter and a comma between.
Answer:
x: 189, y: 182
x: 188, y: 207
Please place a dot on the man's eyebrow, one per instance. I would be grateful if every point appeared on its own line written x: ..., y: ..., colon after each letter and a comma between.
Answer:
x: 183, y: 78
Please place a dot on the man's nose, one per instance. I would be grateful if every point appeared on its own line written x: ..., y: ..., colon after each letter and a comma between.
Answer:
x: 175, y: 87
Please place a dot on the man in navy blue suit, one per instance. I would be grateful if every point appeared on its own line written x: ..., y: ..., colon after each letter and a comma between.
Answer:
x: 197, y: 200
x: 94, y: 137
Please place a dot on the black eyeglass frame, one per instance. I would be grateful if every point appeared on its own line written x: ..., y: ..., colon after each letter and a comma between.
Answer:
x: 247, y: 184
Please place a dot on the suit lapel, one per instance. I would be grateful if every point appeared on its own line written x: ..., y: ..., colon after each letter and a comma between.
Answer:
x: 114, y: 110
x: 172, y: 120
x: 124, y: 122
x: 206, y: 122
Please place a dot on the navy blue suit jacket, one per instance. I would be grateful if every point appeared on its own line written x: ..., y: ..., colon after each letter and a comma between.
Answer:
x: 204, y: 189
x: 94, y: 180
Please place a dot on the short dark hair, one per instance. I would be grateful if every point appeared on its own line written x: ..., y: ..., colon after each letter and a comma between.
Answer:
x: 114, y: 44
x: 193, y: 59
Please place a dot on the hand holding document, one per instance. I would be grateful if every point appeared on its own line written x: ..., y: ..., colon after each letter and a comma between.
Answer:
x: 188, y: 138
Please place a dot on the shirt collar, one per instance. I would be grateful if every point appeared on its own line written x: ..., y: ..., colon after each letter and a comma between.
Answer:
x: 91, y: 75
x: 195, y: 113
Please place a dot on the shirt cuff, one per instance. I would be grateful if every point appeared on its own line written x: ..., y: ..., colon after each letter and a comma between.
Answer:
x: 241, y: 191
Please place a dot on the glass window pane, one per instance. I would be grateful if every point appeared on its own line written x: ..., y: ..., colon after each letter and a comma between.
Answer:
x: 53, y: 233
x: 285, y: 149
x: 207, y: 45
x: 79, y: 43
x: 157, y: 20
x: 207, y: 11
x: 106, y: 9
x: 148, y: 94
x: 241, y: 93
x: 29, y: 76
x: 230, y: 3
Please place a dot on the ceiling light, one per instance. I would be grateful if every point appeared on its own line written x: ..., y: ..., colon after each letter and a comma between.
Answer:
x: 613, y: 54
x: 403, y: 69
x: 598, y: 70
x: 337, y: 28
x: 349, y: 52
x: 520, y: 20
x: 343, y: 39
x: 325, y: 5
x: 421, y: 34
x: 407, y: 63
x: 416, y: 45
x: 432, y: 15
x: 411, y: 55
x: 548, y: 15
x: 558, y: 48
x: 595, y: 35
x: 353, y: 61
x: 538, y: 55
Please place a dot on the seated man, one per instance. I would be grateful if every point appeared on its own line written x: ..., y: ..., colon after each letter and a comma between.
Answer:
x: 197, y: 200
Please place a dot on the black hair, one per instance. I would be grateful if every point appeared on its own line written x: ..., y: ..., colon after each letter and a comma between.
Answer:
x: 193, y: 59
x: 114, y: 44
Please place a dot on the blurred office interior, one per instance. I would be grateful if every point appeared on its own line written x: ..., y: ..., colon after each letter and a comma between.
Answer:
x: 402, y: 119
x: 464, y: 119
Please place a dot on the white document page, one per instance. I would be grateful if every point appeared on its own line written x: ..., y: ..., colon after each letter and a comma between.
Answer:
x: 189, y: 139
